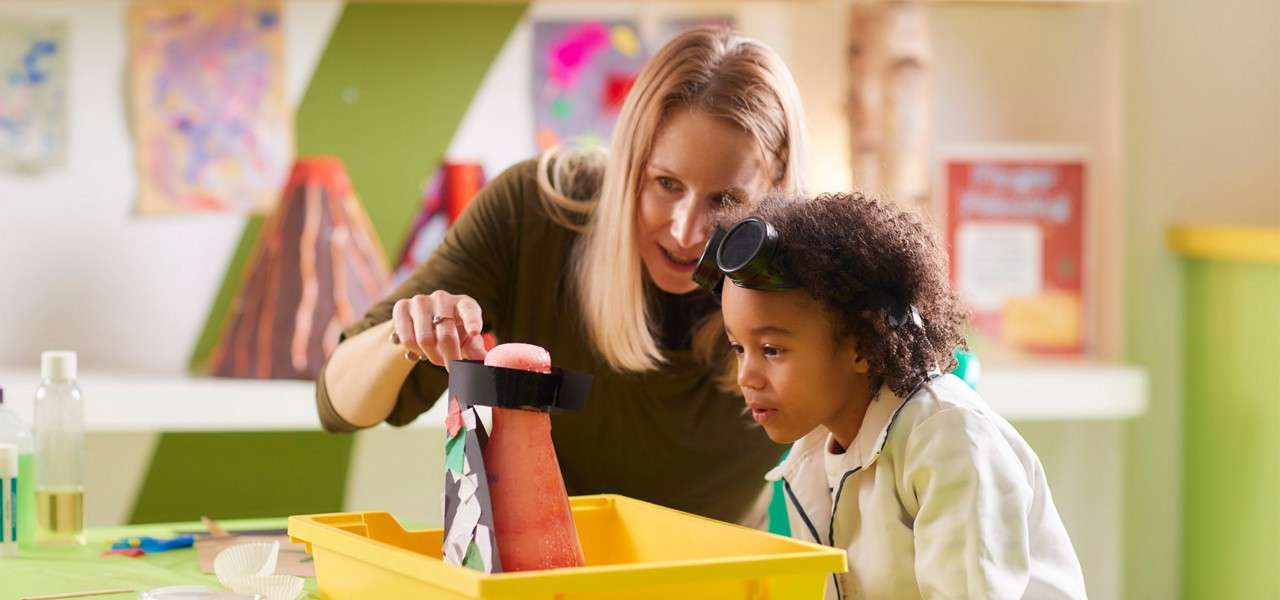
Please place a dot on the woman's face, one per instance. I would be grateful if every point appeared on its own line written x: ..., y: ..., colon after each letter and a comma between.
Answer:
x: 699, y: 165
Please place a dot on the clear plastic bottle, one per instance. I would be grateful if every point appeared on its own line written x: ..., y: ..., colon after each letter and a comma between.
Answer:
x: 59, y: 443
x: 14, y: 431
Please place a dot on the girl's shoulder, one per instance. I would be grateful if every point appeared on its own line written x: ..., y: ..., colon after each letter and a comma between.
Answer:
x: 947, y: 407
x: 943, y: 392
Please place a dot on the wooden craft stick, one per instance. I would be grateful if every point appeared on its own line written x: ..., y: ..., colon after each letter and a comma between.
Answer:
x: 212, y: 526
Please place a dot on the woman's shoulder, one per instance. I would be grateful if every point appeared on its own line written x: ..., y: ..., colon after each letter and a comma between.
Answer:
x: 513, y: 190
x: 525, y: 191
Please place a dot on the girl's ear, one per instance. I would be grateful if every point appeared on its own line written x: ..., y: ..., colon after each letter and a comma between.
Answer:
x: 849, y: 348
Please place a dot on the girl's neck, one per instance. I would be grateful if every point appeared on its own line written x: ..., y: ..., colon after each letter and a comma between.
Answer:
x: 844, y: 425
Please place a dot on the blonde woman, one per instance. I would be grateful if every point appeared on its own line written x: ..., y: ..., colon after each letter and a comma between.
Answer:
x: 591, y: 257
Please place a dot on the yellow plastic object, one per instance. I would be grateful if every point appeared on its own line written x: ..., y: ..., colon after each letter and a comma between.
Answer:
x: 633, y: 550
x: 1226, y: 242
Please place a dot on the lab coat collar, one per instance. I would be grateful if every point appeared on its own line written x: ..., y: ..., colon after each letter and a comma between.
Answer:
x: 868, y: 443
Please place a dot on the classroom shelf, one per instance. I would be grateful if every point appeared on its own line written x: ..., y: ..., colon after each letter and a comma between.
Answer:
x: 138, y: 402
x: 1065, y: 391
x: 132, y: 402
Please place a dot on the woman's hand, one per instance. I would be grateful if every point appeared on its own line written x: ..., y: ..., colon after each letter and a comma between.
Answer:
x: 439, y: 327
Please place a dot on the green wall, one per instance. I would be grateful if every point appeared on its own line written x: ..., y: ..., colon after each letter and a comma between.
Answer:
x: 389, y: 92
x: 1231, y: 511
x: 241, y: 475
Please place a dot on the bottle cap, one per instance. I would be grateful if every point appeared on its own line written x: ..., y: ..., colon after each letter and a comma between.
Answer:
x: 58, y: 365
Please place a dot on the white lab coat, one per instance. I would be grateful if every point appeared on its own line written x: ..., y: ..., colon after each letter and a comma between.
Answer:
x: 937, y: 497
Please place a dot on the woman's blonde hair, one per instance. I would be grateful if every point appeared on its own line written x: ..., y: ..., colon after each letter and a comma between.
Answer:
x: 714, y: 72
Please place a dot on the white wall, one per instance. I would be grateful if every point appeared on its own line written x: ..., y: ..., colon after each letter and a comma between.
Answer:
x: 80, y: 270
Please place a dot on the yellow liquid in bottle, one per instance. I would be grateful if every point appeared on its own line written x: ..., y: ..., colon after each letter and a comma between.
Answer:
x: 60, y: 516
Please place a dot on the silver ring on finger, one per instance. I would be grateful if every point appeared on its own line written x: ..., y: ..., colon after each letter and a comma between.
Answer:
x: 438, y: 319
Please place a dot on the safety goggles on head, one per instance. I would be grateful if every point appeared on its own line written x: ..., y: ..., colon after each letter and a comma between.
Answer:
x: 746, y: 253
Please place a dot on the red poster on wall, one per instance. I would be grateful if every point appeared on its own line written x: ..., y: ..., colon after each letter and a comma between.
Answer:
x: 1015, y: 229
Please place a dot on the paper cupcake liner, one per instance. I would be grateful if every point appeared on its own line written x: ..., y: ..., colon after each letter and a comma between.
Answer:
x: 272, y: 587
x: 246, y: 560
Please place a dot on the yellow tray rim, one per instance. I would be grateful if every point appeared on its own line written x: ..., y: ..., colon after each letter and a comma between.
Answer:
x: 308, y: 530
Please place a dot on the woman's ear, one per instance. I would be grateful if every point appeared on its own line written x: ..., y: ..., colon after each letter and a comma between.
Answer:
x: 860, y: 365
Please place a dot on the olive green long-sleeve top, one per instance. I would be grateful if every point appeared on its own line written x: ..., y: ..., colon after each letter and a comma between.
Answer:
x: 668, y: 436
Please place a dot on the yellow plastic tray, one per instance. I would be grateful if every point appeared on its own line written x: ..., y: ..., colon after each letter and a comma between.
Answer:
x: 633, y: 549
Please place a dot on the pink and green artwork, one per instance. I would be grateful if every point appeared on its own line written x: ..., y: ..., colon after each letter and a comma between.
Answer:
x: 581, y: 75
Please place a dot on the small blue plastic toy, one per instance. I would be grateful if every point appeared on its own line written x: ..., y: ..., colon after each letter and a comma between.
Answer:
x: 150, y: 544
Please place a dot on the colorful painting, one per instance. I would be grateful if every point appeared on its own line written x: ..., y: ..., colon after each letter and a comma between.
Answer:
x: 33, y: 95
x: 211, y: 121
x: 581, y: 75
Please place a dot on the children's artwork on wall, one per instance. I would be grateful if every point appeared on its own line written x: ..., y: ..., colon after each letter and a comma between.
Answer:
x: 444, y: 197
x: 317, y: 266
x: 1015, y: 222
x: 582, y: 72
x: 33, y: 95
x: 211, y: 122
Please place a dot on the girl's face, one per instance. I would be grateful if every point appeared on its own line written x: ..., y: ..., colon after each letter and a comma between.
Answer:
x: 699, y: 165
x: 793, y: 373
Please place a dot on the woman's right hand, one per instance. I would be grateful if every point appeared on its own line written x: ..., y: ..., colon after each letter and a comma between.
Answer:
x: 439, y: 327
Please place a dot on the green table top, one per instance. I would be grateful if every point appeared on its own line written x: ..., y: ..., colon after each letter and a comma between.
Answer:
x: 44, y: 571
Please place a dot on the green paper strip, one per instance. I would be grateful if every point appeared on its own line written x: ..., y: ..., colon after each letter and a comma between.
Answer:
x: 454, y: 452
x: 473, y: 560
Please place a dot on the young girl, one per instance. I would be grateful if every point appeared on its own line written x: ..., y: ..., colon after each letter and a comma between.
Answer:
x: 841, y: 315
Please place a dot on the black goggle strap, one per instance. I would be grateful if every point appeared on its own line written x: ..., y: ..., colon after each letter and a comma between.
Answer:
x: 899, y: 313
x: 708, y: 273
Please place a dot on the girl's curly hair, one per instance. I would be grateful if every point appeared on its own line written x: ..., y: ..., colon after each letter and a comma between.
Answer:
x: 869, y: 262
